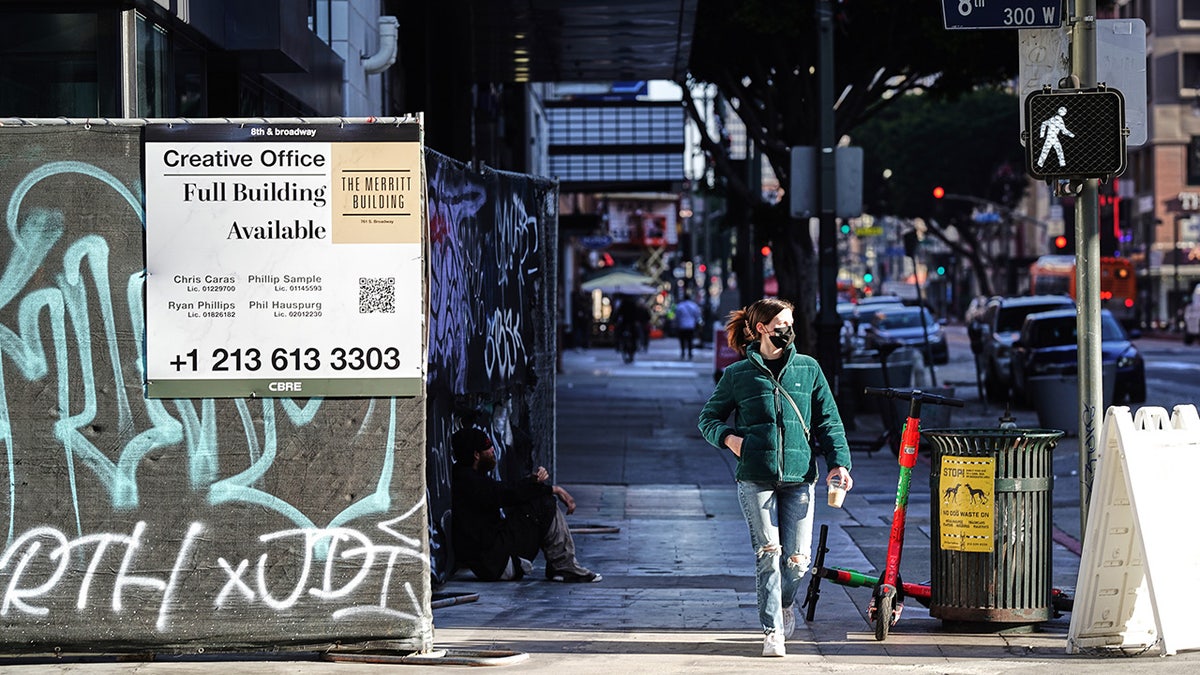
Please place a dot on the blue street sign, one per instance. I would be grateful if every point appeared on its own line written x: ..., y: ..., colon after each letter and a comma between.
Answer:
x: 972, y: 14
x: 596, y: 242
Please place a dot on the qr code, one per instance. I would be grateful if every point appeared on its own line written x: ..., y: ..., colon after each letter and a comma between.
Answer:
x: 377, y: 295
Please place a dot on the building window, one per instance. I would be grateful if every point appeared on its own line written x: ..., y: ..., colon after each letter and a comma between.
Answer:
x: 616, y: 143
x: 1189, y: 74
x: 1193, y: 161
x: 320, y: 19
x: 1140, y: 9
x: 59, y: 65
x: 191, y: 80
x: 616, y: 125
x: 1189, y: 14
x: 153, y: 88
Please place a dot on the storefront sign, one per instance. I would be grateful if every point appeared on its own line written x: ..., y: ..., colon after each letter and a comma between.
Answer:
x: 643, y: 222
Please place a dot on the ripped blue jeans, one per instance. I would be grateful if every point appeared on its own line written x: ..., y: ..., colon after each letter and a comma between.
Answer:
x: 780, y: 516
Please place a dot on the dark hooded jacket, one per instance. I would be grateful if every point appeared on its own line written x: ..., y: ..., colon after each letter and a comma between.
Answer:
x: 484, y: 538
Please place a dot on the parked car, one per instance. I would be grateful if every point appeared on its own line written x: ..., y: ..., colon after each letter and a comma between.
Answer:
x: 998, y: 329
x: 856, y: 316
x: 1047, y: 346
x: 908, y: 326
x: 880, y: 300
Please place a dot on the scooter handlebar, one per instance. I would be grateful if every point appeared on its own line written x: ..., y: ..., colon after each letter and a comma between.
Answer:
x: 908, y: 395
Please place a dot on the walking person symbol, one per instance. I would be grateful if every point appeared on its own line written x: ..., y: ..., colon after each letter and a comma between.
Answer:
x: 1050, y: 130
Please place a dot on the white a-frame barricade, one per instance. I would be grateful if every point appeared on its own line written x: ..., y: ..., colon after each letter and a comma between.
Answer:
x: 1139, y: 575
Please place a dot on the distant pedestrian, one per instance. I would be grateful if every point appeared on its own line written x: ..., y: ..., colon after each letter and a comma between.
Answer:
x: 582, y: 321
x: 498, y: 528
x: 644, y: 319
x: 632, y: 321
x: 687, y: 320
x: 784, y: 416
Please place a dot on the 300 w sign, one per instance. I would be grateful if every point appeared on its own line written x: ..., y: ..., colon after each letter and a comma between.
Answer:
x: 975, y: 14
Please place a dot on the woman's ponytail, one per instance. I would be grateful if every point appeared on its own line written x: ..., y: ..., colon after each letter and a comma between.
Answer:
x: 737, y: 334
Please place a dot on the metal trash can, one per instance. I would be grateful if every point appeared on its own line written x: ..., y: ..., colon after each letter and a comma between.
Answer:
x: 991, y: 547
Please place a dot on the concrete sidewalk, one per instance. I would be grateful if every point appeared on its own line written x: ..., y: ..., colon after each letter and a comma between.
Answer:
x: 678, y: 590
x: 658, y: 517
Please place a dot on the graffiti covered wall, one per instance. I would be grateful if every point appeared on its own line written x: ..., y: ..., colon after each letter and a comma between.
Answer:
x: 131, y: 523
x: 491, y: 326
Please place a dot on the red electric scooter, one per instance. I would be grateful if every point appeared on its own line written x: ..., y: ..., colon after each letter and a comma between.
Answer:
x: 887, y: 600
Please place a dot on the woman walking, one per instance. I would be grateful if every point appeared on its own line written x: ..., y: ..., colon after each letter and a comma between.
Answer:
x: 784, y: 417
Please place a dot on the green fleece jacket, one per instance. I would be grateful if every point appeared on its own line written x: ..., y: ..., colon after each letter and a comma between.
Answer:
x: 775, y: 447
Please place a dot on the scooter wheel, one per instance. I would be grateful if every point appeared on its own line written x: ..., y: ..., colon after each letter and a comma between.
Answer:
x: 883, y: 614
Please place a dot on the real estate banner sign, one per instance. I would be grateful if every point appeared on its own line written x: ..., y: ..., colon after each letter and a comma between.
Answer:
x: 284, y: 260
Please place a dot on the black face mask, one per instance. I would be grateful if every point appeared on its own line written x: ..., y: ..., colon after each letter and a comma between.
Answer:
x: 783, y: 336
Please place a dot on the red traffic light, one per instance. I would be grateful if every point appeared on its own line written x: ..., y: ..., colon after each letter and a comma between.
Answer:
x: 939, y: 192
x: 766, y: 251
x: 1060, y: 242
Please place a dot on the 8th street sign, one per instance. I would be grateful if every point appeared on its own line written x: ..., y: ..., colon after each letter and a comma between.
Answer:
x: 1076, y: 133
x: 972, y: 14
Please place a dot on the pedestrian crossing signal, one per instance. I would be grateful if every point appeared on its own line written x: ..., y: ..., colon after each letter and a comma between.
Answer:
x: 1077, y: 133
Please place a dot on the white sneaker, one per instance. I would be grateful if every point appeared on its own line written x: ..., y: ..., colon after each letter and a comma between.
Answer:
x: 789, y: 621
x: 773, y: 644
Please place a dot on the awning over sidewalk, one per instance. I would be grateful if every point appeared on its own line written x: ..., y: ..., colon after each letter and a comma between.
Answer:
x: 621, y: 282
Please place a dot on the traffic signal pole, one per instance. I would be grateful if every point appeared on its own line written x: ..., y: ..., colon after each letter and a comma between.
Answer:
x: 1087, y: 273
x: 828, y: 324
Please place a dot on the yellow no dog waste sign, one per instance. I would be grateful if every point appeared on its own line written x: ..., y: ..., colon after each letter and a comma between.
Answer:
x: 966, y: 517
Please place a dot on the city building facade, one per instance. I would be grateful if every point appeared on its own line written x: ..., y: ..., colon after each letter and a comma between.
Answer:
x: 1163, y: 217
x: 159, y: 59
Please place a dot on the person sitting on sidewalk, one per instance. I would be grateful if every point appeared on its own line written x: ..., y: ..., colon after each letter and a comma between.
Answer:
x: 498, y: 528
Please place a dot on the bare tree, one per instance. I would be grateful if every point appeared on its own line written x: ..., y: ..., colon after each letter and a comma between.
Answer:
x: 762, y: 57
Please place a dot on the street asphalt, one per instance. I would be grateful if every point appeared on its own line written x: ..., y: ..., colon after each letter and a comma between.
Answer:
x: 658, y: 518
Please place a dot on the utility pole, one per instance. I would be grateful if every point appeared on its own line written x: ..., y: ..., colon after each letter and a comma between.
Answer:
x: 828, y: 323
x: 129, y: 75
x: 754, y: 174
x: 1087, y: 272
